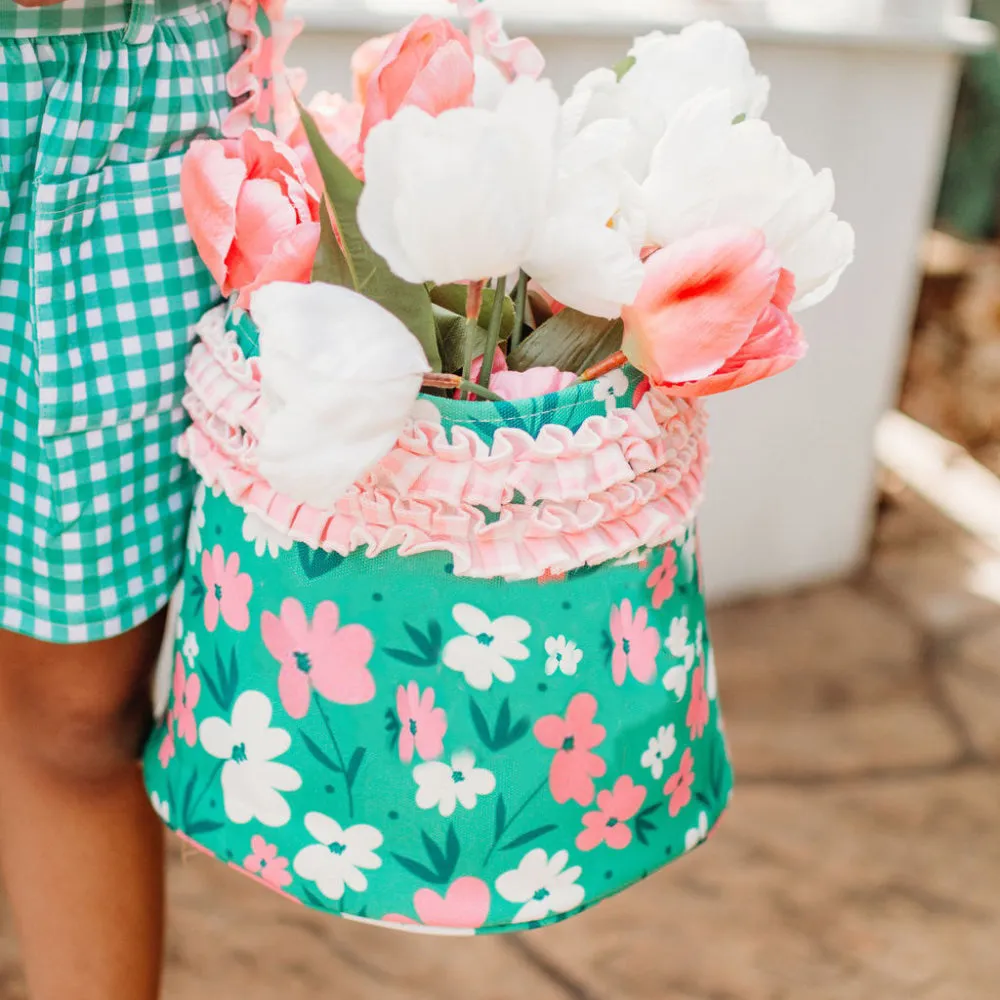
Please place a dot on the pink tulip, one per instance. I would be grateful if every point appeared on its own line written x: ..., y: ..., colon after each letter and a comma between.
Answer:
x: 428, y: 65
x: 251, y: 211
x: 534, y: 382
x: 713, y: 315
x: 339, y: 122
x: 365, y: 61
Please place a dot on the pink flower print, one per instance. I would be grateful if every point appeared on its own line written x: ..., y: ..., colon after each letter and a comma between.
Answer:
x: 636, y: 644
x: 465, y: 905
x: 661, y: 580
x: 187, y: 691
x: 697, y: 713
x: 227, y: 590
x: 320, y: 655
x: 423, y: 725
x: 678, y: 787
x: 609, y: 824
x: 263, y: 861
x: 574, y: 767
x: 168, y: 747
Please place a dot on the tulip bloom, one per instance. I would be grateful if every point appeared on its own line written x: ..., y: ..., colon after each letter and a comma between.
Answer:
x: 252, y: 214
x: 428, y: 65
x: 339, y: 379
x: 713, y: 315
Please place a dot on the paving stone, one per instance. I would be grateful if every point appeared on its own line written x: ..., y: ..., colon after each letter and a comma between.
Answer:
x: 826, y: 682
x: 887, y: 889
x: 230, y: 938
x: 972, y: 681
x: 907, y: 520
x: 944, y: 586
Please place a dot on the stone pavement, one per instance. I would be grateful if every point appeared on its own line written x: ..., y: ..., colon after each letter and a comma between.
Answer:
x: 860, y: 859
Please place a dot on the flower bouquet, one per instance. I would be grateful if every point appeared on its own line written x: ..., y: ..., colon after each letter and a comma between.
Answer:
x: 442, y: 660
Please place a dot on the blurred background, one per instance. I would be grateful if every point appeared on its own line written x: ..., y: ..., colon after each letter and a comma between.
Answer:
x: 852, y: 542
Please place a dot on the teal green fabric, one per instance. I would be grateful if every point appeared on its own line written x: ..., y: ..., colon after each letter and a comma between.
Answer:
x: 100, y: 286
x: 382, y: 739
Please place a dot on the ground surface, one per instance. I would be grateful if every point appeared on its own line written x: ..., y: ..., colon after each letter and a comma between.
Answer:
x: 860, y: 859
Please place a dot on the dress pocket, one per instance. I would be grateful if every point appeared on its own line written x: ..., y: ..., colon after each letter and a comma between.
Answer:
x: 118, y: 286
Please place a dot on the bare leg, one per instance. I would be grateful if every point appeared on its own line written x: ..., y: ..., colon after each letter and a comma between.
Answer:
x: 80, y: 849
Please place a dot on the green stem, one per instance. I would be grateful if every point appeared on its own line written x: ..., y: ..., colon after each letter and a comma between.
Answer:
x: 471, y: 326
x: 340, y: 757
x: 472, y: 389
x: 493, y: 333
x: 514, y: 818
x: 520, y: 301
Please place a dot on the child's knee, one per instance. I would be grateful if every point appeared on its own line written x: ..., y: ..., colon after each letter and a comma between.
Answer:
x: 78, y: 713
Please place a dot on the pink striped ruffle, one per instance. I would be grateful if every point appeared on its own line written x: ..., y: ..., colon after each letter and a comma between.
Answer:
x: 622, y: 481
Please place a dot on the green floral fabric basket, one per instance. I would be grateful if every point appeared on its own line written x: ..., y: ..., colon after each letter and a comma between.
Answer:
x: 477, y: 696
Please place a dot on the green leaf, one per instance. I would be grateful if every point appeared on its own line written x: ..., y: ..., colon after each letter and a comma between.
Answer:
x: 571, y: 341
x: 203, y: 826
x: 354, y: 765
x: 410, y: 659
x: 434, y: 853
x: 482, y: 726
x: 422, y: 872
x: 370, y: 274
x: 314, y: 901
x: 527, y: 838
x: 501, y: 818
x: 206, y: 678
x: 320, y: 754
x: 452, y: 299
x: 188, y: 795
x: 519, y: 730
x: 452, y: 850
x: 621, y: 68
x: 503, y: 722
x: 330, y: 265
x: 317, y: 562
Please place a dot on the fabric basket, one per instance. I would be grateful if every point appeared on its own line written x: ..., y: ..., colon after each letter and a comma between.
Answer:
x: 478, y: 695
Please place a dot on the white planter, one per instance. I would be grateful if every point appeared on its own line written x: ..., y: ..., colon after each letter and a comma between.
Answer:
x: 792, y: 490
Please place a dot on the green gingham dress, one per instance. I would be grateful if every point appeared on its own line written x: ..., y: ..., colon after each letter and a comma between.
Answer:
x: 99, y: 287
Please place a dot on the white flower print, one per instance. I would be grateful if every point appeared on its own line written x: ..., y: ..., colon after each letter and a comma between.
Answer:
x: 711, y: 677
x: 485, y: 651
x: 661, y: 748
x: 678, y: 644
x: 543, y: 884
x: 444, y: 786
x: 689, y: 551
x: 266, y: 537
x: 677, y: 641
x: 696, y: 835
x: 335, y: 862
x: 252, y: 781
x: 563, y: 655
x: 190, y: 649
x: 161, y: 807
x: 609, y: 387
x: 196, y: 524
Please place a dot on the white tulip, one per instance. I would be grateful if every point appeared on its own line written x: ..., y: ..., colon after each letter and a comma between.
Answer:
x: 339, y: 379
x: 459, y: 197
x: 706, y: 173
x: 669, y: 71
x: 490, y: 85
x: 585, y: 251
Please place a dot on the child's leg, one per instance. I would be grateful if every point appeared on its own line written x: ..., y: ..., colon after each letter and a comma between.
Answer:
x: 80, y: 848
